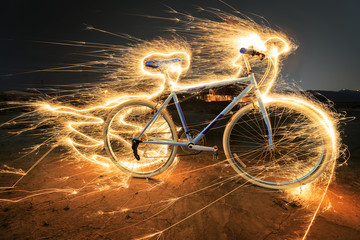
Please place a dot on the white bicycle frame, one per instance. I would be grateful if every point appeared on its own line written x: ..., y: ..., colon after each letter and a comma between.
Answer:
x: 191, y: 143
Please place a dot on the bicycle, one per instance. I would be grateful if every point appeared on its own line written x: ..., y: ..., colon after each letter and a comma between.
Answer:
x: 272, y: 144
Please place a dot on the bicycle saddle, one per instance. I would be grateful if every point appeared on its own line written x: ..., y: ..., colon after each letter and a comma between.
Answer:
x: 160, y: 63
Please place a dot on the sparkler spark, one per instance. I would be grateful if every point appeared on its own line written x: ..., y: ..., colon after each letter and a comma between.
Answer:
x: 211, y: 55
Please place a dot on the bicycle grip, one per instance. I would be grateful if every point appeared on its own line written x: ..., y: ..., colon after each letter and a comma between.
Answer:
x: 252, y: 52
x: 248, y: 51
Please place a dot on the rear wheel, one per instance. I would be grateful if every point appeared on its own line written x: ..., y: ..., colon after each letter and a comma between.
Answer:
x: 126, y: 122
x: 302, y: 145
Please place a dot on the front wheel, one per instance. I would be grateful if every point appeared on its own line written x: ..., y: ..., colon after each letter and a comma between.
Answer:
x: 302, y: 145
x: 126, y: 122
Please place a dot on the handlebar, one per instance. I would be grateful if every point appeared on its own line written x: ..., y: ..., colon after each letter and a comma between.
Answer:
x: 252, y: 52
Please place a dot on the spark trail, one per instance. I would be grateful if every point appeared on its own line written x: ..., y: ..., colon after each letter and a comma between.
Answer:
x: 210, y: 53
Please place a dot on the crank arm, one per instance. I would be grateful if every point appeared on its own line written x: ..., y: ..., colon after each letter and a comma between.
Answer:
x: 202, y: 148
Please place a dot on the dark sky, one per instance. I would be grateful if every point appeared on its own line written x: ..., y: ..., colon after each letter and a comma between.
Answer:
x: 327, y: 33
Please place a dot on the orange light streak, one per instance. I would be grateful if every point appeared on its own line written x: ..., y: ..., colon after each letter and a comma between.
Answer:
x: 270, y: 42
x: 321, y: 201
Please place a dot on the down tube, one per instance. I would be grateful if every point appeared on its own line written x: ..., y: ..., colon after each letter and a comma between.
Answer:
x: 223, y: 112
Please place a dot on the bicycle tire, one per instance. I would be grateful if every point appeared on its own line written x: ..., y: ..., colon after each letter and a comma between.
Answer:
x: 302, y: 144
x: 125, y: 122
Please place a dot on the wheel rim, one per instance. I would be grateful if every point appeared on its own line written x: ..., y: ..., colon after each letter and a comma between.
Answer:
x: 130, y: 121
x: 297, y: 137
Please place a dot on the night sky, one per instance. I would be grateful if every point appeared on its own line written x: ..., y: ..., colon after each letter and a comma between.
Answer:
x: 327, y: 33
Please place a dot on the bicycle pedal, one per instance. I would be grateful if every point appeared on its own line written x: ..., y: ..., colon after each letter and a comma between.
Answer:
x: 216, y: 153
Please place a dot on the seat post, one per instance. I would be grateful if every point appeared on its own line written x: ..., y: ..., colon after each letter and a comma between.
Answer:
x: 167, y: 85
x: 163, y: 67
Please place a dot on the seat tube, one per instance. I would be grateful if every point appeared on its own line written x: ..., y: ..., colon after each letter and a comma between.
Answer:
x: 157, y: 114
x: 182, y: 117
x: 266, y: 118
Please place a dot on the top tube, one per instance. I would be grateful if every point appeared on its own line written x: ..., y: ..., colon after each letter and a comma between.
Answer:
x: 214, y: 84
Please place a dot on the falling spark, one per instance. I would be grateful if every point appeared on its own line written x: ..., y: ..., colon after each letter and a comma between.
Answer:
x: 321, y: 201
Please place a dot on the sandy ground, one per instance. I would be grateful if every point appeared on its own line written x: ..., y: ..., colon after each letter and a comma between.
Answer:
x: 199, y: 199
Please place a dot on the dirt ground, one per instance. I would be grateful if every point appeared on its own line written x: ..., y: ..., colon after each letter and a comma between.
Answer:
x: 200, y: 198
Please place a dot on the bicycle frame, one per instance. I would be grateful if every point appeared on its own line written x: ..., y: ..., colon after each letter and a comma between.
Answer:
x: 252, y: 85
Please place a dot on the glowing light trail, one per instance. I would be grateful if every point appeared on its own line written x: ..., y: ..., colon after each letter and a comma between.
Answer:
x: 213, y: 49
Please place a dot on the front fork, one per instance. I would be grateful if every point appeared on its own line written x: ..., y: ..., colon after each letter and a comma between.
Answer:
x: 266, y: 118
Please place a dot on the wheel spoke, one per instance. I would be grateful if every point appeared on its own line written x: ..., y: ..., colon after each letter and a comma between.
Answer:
x: 128, y: 122
x: 297, y: 137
